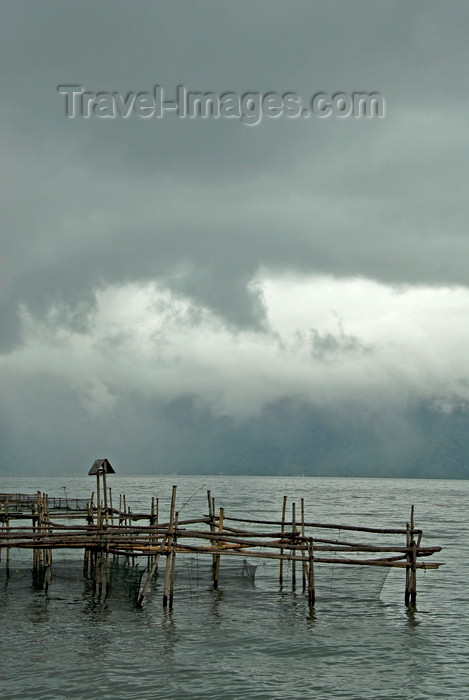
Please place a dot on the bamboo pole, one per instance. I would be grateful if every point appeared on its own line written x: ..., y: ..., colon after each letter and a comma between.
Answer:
x: 329, y: 526
x: 150, y: 574
x: 284, y: 511
x: 410, y: 597
x: 87, y: 553
x: 119, y: 536
x: 167, y: 574
x: 7, y: 525
x: 211, y: 516
x: 311, y: 591
x: 293, y: 564
x: 37, y: 554
x: 216, y: 568
x: 110, y: 506
x: 98, y: 498
x: 156, y: 524
x: 150, y: 534
x: 38, y: 529
x: 166, y: 580
x: 305, y: 565
x: 48, y: 551
x: 106, y: 513
x: 173, y: 563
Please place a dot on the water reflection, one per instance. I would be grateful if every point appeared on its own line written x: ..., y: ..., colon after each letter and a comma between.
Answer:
x: 215, y: 608
x: 170, y: 636
x: 38, y: 610
x: 412, y: 619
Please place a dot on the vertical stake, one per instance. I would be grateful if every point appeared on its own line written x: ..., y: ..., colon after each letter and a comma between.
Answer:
x: 106, y: 514
x: 48, y: 551
x: 305, y: 566
x: 293, y: 552
x: 284, y: 510
x: 311, y: 591
x: 110, y: 506
x: 410, y: 597
x: 98, y: 499
x: 211, y: 516
x: 216, y: 568
x: 173, y: 563
x: 7, y: 522
x: 413, y: 569
x: 167, y: 573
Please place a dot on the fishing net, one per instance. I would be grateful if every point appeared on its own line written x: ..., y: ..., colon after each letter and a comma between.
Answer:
x: 192, y: 571
x: 67, y: 582
x: 356, y: 582
x: 247, y: 570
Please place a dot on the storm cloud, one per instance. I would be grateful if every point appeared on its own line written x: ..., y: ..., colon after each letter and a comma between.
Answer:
x: 206, y: 295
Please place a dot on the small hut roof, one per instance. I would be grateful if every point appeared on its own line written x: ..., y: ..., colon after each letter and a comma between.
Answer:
x: 101, y: 465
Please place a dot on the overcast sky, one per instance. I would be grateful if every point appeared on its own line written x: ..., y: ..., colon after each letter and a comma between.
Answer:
x: 208, y: 295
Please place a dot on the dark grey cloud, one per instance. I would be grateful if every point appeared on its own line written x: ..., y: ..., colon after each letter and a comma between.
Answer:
x: 204, y: 208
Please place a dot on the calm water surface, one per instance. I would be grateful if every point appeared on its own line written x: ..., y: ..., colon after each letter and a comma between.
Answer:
x: 249, y: 639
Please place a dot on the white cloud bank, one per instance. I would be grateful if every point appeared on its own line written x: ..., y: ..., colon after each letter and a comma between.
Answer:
x: 326, y: 340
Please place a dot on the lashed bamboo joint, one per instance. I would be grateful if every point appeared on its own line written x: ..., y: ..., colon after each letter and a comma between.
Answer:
x: 112, y: 531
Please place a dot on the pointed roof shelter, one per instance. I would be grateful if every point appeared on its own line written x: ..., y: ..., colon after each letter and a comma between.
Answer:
x: 101, y: 466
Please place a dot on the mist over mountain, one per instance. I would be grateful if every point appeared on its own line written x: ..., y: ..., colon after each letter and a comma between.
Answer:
x: 286, y: 437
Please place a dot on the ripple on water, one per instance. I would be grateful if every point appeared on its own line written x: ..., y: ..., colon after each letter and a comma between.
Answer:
x: 246, y: 640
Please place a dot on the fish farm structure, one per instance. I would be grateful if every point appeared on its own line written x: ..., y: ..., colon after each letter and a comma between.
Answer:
x: 104, y: 532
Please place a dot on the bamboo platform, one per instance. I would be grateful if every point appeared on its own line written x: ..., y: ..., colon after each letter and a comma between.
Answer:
x: 46, y: 524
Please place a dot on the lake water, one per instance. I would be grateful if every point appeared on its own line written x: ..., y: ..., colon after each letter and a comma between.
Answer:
x: 248, y: 639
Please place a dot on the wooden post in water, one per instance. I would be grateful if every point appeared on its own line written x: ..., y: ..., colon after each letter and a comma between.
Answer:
x: 284, y: 510
x: 311, y: 591
x: 211, y: 515
x: 98, y: 500
x: 106, y: 514
x: 151, y: 537
x: 167, y: 574
x: 154, y: 558
x: 305, y: 565
x: 36, y: 552
x: 35, y: 528
x: 90, y: 518
x: 89, y: 560
x: 173, y: 562
x: 216, y: 568
x: 48, y: 551
x: 155, y: 522
x: 37, y: 555
x: 89, y: 521
x: 7, y: 525
x: 110, y: 506
x: 410, y: 597
x: 293, y: 563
